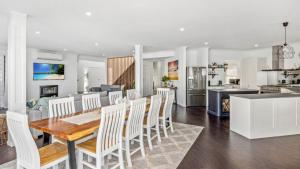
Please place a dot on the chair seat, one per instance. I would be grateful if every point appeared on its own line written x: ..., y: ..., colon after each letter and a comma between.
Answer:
x: 89, y: 145
x: 52, y: 152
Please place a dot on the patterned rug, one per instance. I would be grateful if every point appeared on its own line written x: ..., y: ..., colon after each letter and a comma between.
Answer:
x: 166, y: 155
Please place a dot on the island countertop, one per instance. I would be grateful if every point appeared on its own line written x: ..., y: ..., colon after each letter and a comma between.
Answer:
x: 266, y: 96
x: 232, y: 90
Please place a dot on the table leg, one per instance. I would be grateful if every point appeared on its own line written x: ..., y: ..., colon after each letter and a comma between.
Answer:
x: 72, y: 155
x: 47, y: 139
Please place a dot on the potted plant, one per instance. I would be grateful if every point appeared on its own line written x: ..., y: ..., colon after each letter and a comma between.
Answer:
x: 165, y: 80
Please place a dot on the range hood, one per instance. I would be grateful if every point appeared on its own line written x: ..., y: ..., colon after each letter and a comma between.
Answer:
x: 277, y: 61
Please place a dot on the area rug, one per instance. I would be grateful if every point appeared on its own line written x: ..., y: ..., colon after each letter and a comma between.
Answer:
x: 166, y: 155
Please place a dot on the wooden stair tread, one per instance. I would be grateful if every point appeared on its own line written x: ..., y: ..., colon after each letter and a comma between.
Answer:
x: 52, y: 152
x: 89, y: 145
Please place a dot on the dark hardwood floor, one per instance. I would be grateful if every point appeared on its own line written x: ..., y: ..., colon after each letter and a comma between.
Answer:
x: 218, y: 148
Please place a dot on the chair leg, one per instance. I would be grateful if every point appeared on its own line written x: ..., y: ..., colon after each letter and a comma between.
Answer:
x: 128, y: 153
x: 67, y: 164
x: 149, y: 137
x: 80, y: 159
x: 142, y: 144
x: 171, y: 124
x: 165, y: 128
x: 157, y: 132
x: 99, y: 162
x: 120, y: 151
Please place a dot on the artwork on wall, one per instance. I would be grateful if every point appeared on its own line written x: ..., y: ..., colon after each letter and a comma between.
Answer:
x: 47, y: 71
x: 173, y: 70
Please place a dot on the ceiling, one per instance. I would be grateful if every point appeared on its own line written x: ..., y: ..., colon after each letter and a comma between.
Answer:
x: 116, y: 25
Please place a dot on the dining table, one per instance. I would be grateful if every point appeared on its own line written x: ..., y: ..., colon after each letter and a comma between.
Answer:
x: 63, y: 128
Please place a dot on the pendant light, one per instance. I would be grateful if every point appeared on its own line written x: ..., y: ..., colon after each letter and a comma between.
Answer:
x: 287, y: 51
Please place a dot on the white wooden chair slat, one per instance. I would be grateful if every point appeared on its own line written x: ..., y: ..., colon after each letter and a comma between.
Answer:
x: 153, y: 119
x: 113, y: 96
x: 167, y: 113
x: 131, y: 94
x: 134, y: 127
x: 61, y: 106
x: 163, y: 92
x: 91, y: 101
x: 109, y: 137
x: 27, y: 152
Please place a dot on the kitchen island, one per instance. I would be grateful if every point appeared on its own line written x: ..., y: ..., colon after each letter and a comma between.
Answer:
x: 265, y: 115
x: 219, y: 101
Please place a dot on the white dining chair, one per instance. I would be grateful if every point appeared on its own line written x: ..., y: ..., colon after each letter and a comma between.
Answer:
x: 151, y: 122
x: 113, y: 96
x: 163, y: 92
x: 61, y: 107
x: 133, y: 130
x: 165, y: 116
x: 91, y: 101
x: 109, y: 138
x: 131, y: 94
x: 28, y: 155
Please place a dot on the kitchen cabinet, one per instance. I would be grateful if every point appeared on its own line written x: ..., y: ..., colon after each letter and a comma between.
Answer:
x: 265, y: 115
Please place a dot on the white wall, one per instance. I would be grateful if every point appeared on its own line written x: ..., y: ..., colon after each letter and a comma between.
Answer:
x: 221, y: 56
x: 272, y: 78
x: 180, y: 55
x: 197, y: 57
x: 91, y: 64
x: 159, y: 54
x: 66, y: 87
x: 3, y: 86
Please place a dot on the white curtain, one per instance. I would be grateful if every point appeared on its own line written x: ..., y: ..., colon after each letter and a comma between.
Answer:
x: 2, y: 81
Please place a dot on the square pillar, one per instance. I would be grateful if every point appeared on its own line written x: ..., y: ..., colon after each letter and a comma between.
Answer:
x: 16, y: 64
x: 138, y: 58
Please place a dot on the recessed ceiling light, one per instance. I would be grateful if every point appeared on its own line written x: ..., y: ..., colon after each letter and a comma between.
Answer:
x: 103, y: 54
x: 181, y: 29
x: 205, y: 43
x: 96, y: 44
x: 37, y: 32
x: 88, y: 13
x: 255, y: 45
x: 65, y: 49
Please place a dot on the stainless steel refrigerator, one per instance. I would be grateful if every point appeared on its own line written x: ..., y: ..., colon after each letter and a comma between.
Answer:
x: 196, y: 86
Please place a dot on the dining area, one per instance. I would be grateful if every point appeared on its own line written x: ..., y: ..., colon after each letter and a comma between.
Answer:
x: 97, y: 134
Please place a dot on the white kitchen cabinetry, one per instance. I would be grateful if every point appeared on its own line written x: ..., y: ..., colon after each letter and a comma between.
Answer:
x: 249, y: 72
x: 265, y: 117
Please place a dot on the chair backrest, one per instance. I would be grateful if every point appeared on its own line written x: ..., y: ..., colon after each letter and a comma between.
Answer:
x: 167, y: 110
x: 91, y: 101
x: 27, y: 151
x: 131, y: 94
x: 153, y: 114
x: 136, y: 118
x: 163, y: 92
x: 111, y: 128
x: 61, y: 107
x: 113, y: 96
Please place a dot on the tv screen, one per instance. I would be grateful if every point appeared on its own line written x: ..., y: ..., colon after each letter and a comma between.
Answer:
x: 47, y: 71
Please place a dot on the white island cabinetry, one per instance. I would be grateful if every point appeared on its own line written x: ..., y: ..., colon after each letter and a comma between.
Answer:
x: 266, y: 115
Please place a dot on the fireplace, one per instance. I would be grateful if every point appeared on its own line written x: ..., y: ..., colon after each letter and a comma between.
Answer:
x: 49, y: 91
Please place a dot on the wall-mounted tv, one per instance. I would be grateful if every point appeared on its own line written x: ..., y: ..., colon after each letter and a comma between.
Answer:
x: 47, y: 71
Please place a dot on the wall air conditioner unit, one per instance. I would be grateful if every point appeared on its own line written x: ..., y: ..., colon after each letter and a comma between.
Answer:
x: 49, y: 55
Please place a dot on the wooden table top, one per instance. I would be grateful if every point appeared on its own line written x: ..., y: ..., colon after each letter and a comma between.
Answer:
x: 69, y: 131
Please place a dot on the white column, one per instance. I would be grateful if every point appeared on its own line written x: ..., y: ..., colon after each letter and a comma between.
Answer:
x: 17, y: 63
x: 138, y: 58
